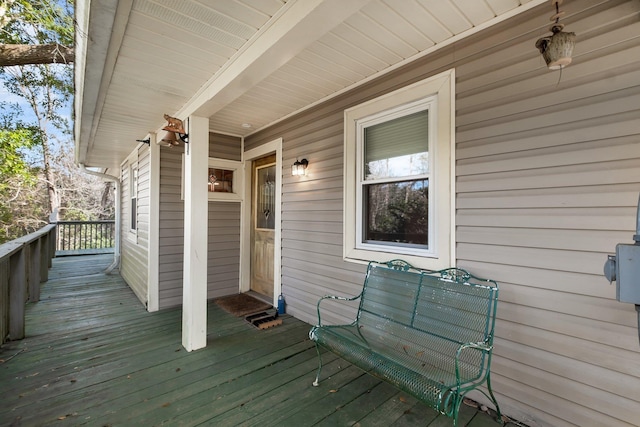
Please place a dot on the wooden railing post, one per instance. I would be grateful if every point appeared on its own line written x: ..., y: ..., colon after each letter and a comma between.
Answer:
x: 53, y: 236
x: 4, y: 298
x: 35, y: 261
x: 45, y: 258
x: 17, y: 293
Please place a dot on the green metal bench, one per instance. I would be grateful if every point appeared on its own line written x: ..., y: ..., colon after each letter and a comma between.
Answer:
x: 429, y: 334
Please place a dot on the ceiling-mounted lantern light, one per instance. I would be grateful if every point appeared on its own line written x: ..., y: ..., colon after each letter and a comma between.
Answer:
x: 557, y: 48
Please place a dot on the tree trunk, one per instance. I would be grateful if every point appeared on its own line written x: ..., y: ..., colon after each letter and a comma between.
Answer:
x: 54, y: 203
x: 25, y: 54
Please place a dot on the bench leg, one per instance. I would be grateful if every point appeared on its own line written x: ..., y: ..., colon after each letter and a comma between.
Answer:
x: 456, y: 409
x: 489, y: 396
x: 316, y: 383
x: 493, y: 398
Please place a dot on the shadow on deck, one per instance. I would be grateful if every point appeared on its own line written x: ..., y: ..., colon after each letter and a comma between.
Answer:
x: 94, y: 356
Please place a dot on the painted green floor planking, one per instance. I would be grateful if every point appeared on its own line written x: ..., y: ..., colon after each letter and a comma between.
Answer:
x: 93, y: 356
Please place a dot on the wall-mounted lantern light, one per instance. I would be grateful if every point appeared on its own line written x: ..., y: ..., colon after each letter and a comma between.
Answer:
x: 299, y: 167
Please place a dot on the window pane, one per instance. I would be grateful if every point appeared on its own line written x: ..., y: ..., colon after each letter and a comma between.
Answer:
x: 220, y: 180
x: 134, y: 198
x: 397, y: 213
x: 397, y: 148
x: 266, y: 198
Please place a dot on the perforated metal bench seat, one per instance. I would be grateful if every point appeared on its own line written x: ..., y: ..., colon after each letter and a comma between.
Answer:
x: 428, y: 333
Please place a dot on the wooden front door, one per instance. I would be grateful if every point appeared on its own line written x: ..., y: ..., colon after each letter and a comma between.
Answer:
x: 263, y: 197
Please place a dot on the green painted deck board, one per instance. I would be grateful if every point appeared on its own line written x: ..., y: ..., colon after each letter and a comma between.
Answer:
x: 94, y: 356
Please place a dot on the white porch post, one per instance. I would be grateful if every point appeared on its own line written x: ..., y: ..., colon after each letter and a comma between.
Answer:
x: 194, y: 287
x: 153, y: 263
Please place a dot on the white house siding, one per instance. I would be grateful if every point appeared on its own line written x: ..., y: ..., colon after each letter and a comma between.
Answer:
x: 223, y: 234
x: 135, y: 246
x: 547, y: 182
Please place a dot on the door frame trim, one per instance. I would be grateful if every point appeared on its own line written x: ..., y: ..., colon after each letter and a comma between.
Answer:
x: 272, y: 147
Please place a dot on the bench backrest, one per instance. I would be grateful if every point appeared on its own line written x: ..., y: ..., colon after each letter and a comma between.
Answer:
x: 414, y: 311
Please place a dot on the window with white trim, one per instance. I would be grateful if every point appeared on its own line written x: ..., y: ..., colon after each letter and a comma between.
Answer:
x: 398, y: 176
x: 133, y: 193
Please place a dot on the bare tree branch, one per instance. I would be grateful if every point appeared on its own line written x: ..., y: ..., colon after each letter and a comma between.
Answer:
x: 26, y: 54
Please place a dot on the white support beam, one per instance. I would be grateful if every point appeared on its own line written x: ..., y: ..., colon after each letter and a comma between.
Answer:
x: 301, y: 24
x: 196, y: 210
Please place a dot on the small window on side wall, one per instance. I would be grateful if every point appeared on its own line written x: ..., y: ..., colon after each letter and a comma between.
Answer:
x: 224, y: 180
x: 220, y: 180
x: 398, y: 176
x: 133, y: 191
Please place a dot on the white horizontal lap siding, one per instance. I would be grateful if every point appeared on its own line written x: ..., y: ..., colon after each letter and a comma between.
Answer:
x: 548, y: 176
x: 135, y: 250
x: 547, y: 181
x: 223, y: 230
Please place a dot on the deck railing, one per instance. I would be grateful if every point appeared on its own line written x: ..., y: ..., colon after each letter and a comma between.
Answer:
x: 24, y: 264
x: 85, y: 237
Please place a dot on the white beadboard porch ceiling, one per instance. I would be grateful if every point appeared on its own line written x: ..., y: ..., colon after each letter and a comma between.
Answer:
x: 243, y: 61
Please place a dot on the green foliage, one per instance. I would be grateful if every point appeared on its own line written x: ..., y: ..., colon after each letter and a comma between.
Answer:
x: 38, y: 22
x: 15, y: 138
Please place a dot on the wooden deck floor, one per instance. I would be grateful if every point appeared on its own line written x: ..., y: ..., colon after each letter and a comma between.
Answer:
x: 94, y: 356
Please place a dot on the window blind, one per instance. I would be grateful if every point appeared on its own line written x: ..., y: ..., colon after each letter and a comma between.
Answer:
x: 398, y: 137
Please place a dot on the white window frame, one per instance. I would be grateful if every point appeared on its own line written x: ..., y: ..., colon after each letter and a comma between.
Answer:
x: 237, y: 184
x: 128, y: 165
x: 437, y: 94
x: 383, y: 117
x: 133, y: 197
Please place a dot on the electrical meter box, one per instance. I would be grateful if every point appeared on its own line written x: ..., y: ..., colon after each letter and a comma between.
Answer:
x: 628, y: 273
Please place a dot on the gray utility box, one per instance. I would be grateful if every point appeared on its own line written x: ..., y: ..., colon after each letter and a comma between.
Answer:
x: 628, y: 273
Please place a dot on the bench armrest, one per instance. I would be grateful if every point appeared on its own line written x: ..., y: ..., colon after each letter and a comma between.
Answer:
x: 334, y: 297
x: 481, y: 346
x: 477, y: 345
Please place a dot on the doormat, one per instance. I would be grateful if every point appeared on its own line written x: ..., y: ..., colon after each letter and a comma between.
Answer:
x: 264, y: 320
x: 241, y: 304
